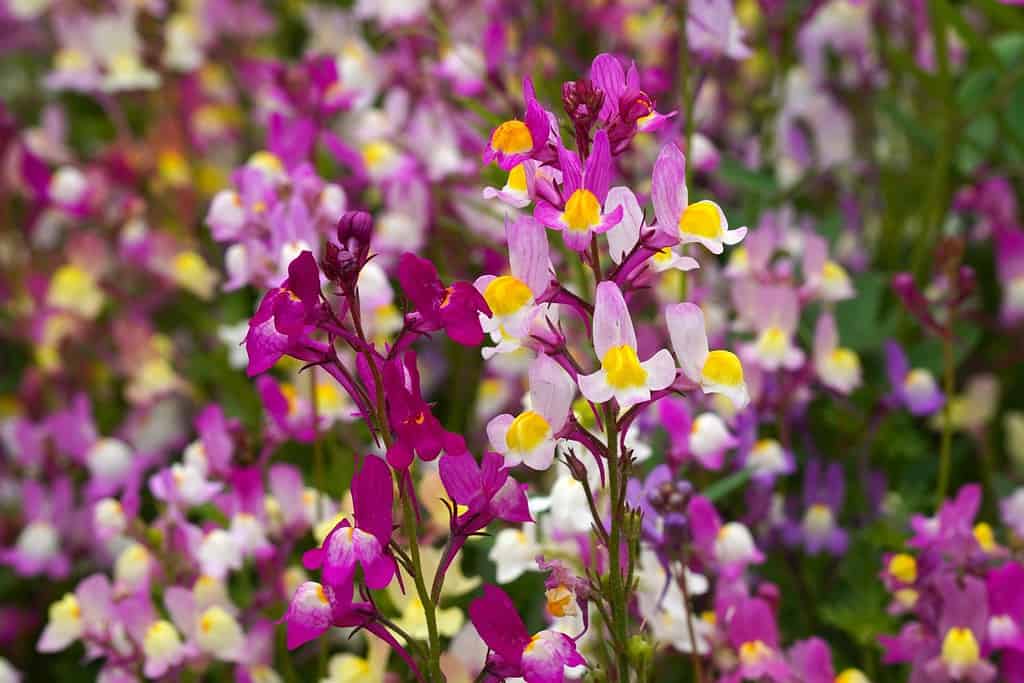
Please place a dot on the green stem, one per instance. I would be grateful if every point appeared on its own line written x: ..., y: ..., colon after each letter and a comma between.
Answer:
x: 698, y: 665
x: 946, y: 449
x: 619, y: 592
x: 409, y: 528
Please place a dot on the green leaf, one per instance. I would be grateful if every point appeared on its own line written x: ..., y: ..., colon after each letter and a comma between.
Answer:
x: 725, y: 486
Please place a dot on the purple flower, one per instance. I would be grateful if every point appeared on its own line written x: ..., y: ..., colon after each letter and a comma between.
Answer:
x: 456, y: 308
x: 823, y: 498
x: 513, y: 142
x: 540, y: 658
x: 585, y: 189
x: 283, y: 314
x: 366, y: 541
x: 753, y: 633
x: 417, y: 432
x: 914, y: 389
x: 1005, y: 627
x: 486, y: 490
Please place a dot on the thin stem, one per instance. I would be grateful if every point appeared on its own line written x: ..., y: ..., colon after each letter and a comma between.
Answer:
x: 946, y: 449
x: 321, y: 485
x: 409, y: 528
x: 698, y: 665
x: 619, y: 592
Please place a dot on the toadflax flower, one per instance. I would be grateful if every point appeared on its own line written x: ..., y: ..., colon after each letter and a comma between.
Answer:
x: 715, y: 371
x: 529, y: 437
x: 512, y: 298
x: 702, y: 222
x: 366, y: 541
x: 514, y: 141
x: 540, y: 658
x: 622, y: 375
x: 586, y: 190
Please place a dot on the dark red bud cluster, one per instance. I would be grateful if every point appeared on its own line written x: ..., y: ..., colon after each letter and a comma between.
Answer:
x: 342, y: 262
x: 582, y: 101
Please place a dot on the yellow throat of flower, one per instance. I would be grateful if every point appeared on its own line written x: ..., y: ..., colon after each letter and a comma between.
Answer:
x: 512, y: 137
x: 701, y: 219
x: 527, y: 431
x: 582, y: 211
x: 506, y: 294
x: 960, y: 648
x: 723, y: 367
x: 623, y: 368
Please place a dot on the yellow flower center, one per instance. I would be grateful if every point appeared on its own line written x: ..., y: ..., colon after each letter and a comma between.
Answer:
x: 512, y: 137
x: 527, y: 431
x: 772, y: 341
x: 907, y: 597
x: 506, y: 294
x: 582, y: 211
x: 267, y: 161
x: 960, y: 648
x: 844, y: 359
x: 623, y: 368
x: 376, y: 153
x: 701, y: 219
x: 517, y: 179
x: 985, y: 536
x: 903, y: 567
x: 663, y: 255
x: 723, y: 367
x: 754, y: 651
x: 560, y: 601
x: 320, y: 595
x: 852, y: 676
x: 833, y: 272
x: 532, y: 643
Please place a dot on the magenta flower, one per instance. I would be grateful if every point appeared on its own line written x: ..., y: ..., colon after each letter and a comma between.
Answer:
x: 1006, y: 607
x: 626, y: 108
x: 540, y: 658
x: 456, y: 308
x: 417, y: 432
x: 586, y: 189
x: 366, y: 541
x: 315, y: 608
x: 283, y: 314
x: 754, y: 635
x: 486, y: 490
x: 622, y: 375
x: 513, y: 142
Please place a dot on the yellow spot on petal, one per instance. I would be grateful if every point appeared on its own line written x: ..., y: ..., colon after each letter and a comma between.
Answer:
x: 723, y: 367
x: 960, y: 648
x: 517, y: 179
x: 267, y: 161
x: 527, y: 431
x: 701, y: 219
x: 852, y: 676
x: 903, y: 567
x: 623, y: 368
x: 985, y: 536
x: 506, y: 294
x: 561, y: 601
x: 754, y: 651
x: 582, y: 211
x: 512, y: 137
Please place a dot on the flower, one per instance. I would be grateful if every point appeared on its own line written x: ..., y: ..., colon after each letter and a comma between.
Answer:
x: 585, y: 190
x: 366, y: 541
x: 540, y: 658
x: 622, y: 375
x: 715, y: 371
x: 514, y: 141
x: 703, y: 222
x: 529, y: 437
x: 456, y: 308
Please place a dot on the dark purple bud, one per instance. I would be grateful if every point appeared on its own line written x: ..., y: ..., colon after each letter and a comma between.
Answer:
x: 343, y: 262
x: 576, y: 467
x: 582, y: 101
